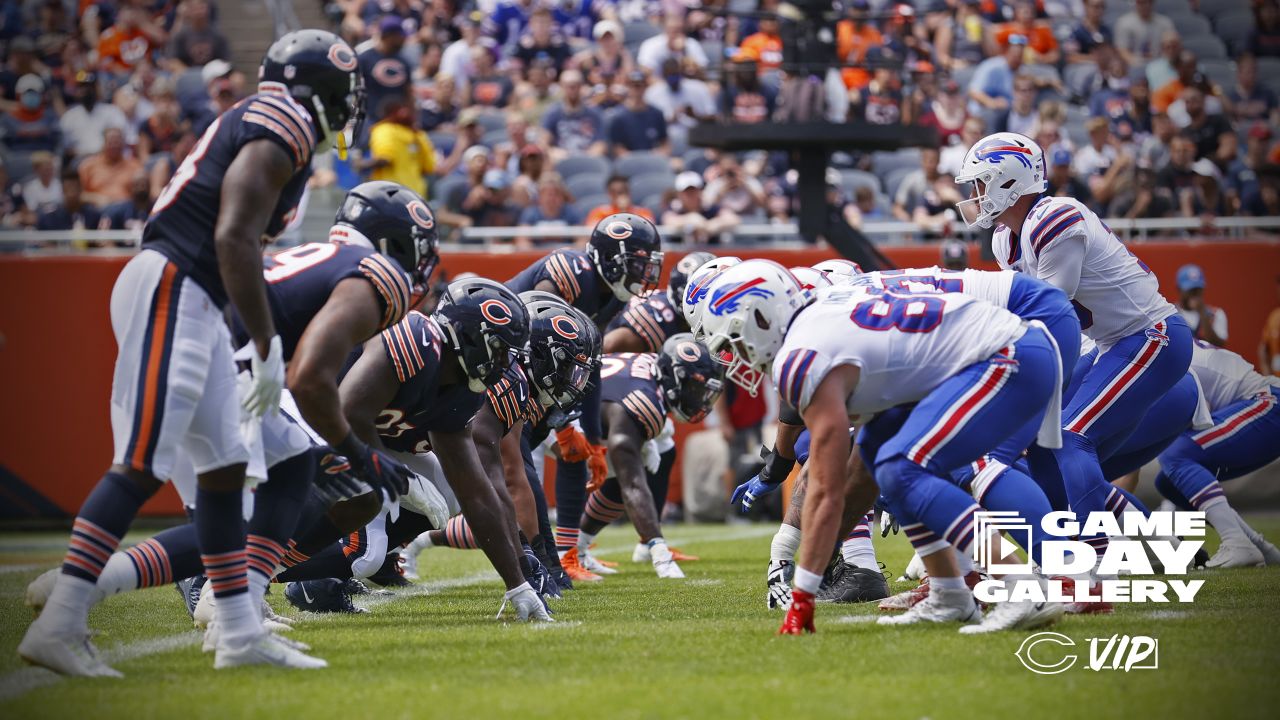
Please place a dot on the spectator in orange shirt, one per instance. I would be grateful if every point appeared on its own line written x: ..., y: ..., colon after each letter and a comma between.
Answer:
x: 129, y: 42
x: 1269, y: 347
x: 619, y: 189
x: 1042, y: 46
x: 107, y: 176
x: 765, y: 46
x: 1168, y: 94
x: 854, y: 37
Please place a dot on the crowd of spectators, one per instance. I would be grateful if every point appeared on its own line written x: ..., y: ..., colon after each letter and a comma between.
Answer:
x: 531, y: 112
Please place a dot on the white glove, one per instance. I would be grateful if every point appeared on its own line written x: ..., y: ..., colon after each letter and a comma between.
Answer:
x: 268, y: 380
x: 424, y: 499
x: 529, y: 607
x: 650, y: 456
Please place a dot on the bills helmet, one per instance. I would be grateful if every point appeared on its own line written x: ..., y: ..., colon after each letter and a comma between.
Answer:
x: 748, y: 310
x: 696, y: 289
x: 1002, y: 167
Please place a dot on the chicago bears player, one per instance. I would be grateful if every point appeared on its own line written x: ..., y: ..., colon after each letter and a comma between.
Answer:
x: 623, y: 260
x: 1144, y: 345
x: 175, y: 381
x: 647, y: 321
x: 1244, y: 437
x: 639, y: 390
x: 977, y: 373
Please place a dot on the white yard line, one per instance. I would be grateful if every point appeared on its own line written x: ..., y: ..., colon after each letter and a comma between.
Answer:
x: 17, y: 683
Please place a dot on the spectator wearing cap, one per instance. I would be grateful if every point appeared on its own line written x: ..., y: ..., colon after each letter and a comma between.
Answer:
x: 539, y: 41
x: 926, y: 196
x: 385, y: 72
x: 575, y: 128
x: 129, y: 41
x: 900, y: 37
x: 1205, y: 198
x: 105, y: 175
x: 43, y: 192
x: 855, y: 35
x: 130, y: 213
x: 1212, y: 133
x: 74, y: 213
x: 489, y: 203
x: 746, y: 99
x: 1242, y: 177
x: 964, y: 39
x: 195, y: 41
x: 1091, y: 33
x: 83, y: 124
x: 1250, y: 101
x: 954, y: 255
x: 221, y: 95
x: 699, y: 223
x: 764, y: 46
x: 671, y: 42
x: 30, y: 124
x: 683, y: 101
x: 1139, y: 32
x: 1264, y: 41
x: 475, y: 163
x: 637, y: 126
x: 991, y: 87
x: 607, y: 56
x: 551, y: 209
x: 1207, y: 322
x: 619, y: 190
x: 398, y: 150
x: 1143, y: 198
x: 20, y: 63
x: 1041, y: 46
x: 488, y: 86
x: 1022, y: 115
x: 1062, y: 181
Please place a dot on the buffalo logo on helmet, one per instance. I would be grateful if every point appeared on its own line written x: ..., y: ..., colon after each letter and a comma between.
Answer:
x: 619, y: 229
x: 342, y: 57
x: 496, y: 312
x: 565, y: 327
x: 725, y: 300
x: 688, y: 351
x: 421, y: 214
x: 999, y: 149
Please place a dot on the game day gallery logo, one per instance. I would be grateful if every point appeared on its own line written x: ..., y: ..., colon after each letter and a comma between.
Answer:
x: 1164, y: 542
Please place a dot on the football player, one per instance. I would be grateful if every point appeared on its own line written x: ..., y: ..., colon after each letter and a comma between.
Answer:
x: 175, y: 380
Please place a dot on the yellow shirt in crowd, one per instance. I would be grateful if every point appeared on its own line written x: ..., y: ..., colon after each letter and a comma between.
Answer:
x: 408, y: 151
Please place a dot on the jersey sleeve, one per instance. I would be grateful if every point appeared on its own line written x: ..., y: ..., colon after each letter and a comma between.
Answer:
x: 797, y: 373
x: 646, y: 409
x: 392, y: 285
x: 413, y: 345
x: 564, y: 269
x: 509, y: 397
x: 638, y: 317
x: 282, y: 121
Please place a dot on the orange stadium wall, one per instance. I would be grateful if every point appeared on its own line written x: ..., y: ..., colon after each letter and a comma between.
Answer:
x: 57, y: 352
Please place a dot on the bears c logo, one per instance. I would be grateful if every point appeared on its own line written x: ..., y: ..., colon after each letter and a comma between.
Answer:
x: 496, y: 312
x: 421, y: 214
x: 688, y: 351
x: 564, y: 327
x: 340, y: 54
x: 619, y: 230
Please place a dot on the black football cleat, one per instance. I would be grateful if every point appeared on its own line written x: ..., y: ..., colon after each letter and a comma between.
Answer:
x: 189, y: 589
x: 853, y: 584
x: 321, y: 596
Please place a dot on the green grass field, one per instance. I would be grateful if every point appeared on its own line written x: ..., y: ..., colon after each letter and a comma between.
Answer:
x: 637, y: 647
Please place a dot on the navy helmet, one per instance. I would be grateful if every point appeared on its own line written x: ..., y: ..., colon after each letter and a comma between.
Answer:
x: 627, y: 252
x: 691, y: 379
x: 564, y: 349
x: 397, y: 221
x: 319, y: 70
x: 486, y: 326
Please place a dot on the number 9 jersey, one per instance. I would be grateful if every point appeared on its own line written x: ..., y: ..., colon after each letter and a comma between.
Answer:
x: 906, y: 345
x: 185, y: 216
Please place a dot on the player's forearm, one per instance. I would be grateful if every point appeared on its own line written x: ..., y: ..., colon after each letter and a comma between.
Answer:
x: 240, y: 264
x: 785, y: 442
x: 321, y: 407
x: 481, y: 507
x: 825, y: 496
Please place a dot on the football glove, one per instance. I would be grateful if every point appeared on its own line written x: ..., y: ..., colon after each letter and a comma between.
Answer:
x: 335, y: 482
x: 528, y: 605
x: 263, y: 395
x: 776, y: 469
x: 650, y: 456
x: 888, y: 523
x: 572, y: 444
x: 377, y: 468
x: 598, y: 467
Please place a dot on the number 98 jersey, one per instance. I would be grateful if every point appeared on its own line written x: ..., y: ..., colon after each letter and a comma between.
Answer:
x: 906, y: 345
x: 183, y: 220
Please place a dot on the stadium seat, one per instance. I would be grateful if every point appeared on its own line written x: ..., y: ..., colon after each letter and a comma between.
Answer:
x: 851, y: 180
x: 654, y: 204
x: 1220, y: 72
x: 651, y: 183
x: 493, y: 138
x: 584, y: 184
x: 442, y: 189
x: 492, y: 120
x: 1205, y: 46
x: 634, y: 33
x: 1191, y: 25
x: 895, y: 179
x: 1170, y: 7
x: 1269, y: 73
x: 583, y: 164
x: 1234, y: 28
x: 1076, y: 75
x: 443, y: 142
x: 587, y: 204
x: 882, y: 163
x: 640, y: 163
x: 1216, y: 9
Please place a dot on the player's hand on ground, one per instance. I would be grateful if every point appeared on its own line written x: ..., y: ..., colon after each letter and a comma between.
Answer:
x: 263, y: 395
x: 572, y: 444
x: 597, y: 466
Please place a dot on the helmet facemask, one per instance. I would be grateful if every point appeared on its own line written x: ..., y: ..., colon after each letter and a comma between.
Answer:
x: 986, y: 203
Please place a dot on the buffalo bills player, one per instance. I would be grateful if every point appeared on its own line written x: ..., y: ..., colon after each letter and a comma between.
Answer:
x: 1144, y: 345
x: 977, y: 373
x: 647, y: 321
x: 623, y: 260
x: 175, y: 381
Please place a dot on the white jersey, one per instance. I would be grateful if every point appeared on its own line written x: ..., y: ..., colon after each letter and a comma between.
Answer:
x: 1067, y: 246
x: 905, y: 344
x: 1224, y: 376
x: 989, y: 285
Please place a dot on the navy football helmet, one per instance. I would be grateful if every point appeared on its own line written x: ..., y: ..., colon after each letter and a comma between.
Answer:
x: 486, y: 326
x: 564, y: 349
x: 691, y: 379
x: 319, y: 70
x: 678, y: 280
x: 397, y: 221
x: 627, y: 252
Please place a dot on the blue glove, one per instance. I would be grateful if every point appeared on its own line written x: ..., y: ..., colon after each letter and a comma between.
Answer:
x: 776, y: 469
x: 750, y: 490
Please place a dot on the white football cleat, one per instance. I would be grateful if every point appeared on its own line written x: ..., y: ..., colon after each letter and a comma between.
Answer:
x: 664, y: 564
x: 212, y: 635
x: 1234, y: 555
x: 1270, y: 553
x: 1023, y: 615
x: 589, y: 561
x: 265, y: 649
x: 641, y: 554
x: 528, y: 606
x: 204, y: 612
x: 64, y: 654
x: 269, y: 615
x: 941, y: 606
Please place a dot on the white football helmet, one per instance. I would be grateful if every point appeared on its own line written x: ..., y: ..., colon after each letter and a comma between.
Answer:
x: 696, y: 289
x: 1003, y: 167
x: 838, y: 271
x: 810, y: 280
x: 748, y: 309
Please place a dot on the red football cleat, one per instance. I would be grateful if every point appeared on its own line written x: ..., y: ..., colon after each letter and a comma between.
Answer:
x: 799, y: 619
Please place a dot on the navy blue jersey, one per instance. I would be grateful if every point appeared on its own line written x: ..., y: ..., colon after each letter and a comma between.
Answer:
x: 300, y: 280
x: 631, y: 380
x: 576, y: 280
x: 183, y: 219
x: 654, y: 318
x: 421, y: 405
x: 511, y: 398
